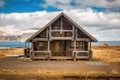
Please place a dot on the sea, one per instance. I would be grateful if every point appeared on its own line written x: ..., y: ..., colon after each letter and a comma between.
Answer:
x: 4, y: 45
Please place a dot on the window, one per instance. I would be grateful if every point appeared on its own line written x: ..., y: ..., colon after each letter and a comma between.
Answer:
x: 71, y: 45
x: 41, y: 46
x: 80, y: 45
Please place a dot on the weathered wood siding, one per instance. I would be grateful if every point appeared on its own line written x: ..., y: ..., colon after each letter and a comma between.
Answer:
x: 61, y: 38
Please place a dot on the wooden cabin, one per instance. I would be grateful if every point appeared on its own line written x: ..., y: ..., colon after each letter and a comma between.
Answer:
x: 61, y: 38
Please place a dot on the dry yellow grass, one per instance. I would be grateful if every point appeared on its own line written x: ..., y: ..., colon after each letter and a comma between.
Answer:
x: 109, y: 54
x: 104, y: 54
x: 11, y: 51
x: 59, y: 75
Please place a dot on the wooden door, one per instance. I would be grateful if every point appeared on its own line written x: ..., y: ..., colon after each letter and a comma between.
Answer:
x: 58, y: 48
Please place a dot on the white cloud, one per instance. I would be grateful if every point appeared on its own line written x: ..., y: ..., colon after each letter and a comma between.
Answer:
x: 60, y: 4
x: 103, y: 26
x: 99, y: 3
x: 110, y: 5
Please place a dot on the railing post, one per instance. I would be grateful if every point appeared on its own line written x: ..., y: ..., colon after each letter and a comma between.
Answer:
x: 49, y: 55
x: 75, y: 56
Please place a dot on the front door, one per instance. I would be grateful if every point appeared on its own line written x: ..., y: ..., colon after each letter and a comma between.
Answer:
x: 58, y: 48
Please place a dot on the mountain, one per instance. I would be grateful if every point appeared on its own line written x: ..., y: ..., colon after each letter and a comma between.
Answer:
x: 10, y: 38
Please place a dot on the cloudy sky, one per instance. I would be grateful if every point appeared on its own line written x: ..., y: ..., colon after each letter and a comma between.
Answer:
x: 101, y: 18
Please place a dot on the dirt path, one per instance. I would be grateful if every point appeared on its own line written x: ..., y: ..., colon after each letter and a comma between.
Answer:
x: 21, y: 64
x: 14, y: 68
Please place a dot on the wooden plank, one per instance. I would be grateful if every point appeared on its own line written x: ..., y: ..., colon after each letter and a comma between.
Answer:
x: 42, y: 51
x: 50, y: 33
x: 73, y: 32
x: 62, y: 30
x: 83, y: 39
x: 90, y: 45
x: 62, y: 38
x: 40, y: 39
x: 81, y: 51
x: 82, y: 57
x: 32, y: 51
x: 61, y: 57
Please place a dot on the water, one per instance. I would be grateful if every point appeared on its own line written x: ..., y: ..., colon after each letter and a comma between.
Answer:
x: 13, y: 45
x: 110, y: 43
x: 22, y: 44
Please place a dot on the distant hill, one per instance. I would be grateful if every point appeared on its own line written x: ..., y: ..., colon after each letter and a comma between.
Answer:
x: 10, y: 38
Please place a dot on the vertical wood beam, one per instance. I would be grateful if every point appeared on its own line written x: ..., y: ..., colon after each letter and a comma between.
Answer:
x: 76, y: 30
x: 48, y: 45
x: 90, y: 45
x: 32, y: 51
x: 50, y: 38
x: 90, y: 53
x: 74, y: 50
x: 47, y: 33
x: 73, y: 31
x: 61, y: 25
x: 75, y: 46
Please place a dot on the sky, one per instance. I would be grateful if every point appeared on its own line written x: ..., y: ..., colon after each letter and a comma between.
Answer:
x: 101, y: 18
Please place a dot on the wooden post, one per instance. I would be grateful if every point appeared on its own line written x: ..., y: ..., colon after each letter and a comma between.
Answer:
x: 49, y: 33
x: 75, y: 45
x: 32, y: 51
x: 90, y: 54
x: 73, y: 30
x: 49, y: 53
x: 74, y: 50
x: 90, y: 45
x: 61, y: 26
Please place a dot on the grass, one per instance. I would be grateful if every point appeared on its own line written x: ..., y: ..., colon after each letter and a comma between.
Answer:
x: 109, y: 54
x: 51, y: 75
x: 11, y: 51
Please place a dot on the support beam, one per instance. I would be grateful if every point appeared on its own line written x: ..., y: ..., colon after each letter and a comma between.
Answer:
x: 49, y: 37
x: 61, y: 26
x: 74, y: 52
x: 90, y: 53
x: 90, y: 45
x: 50, y: 33
x: 73, y: 31
x: 32, y: 51
x: 49, y: 53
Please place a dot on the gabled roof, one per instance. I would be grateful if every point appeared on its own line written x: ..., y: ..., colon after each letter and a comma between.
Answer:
x: 57, y: 17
